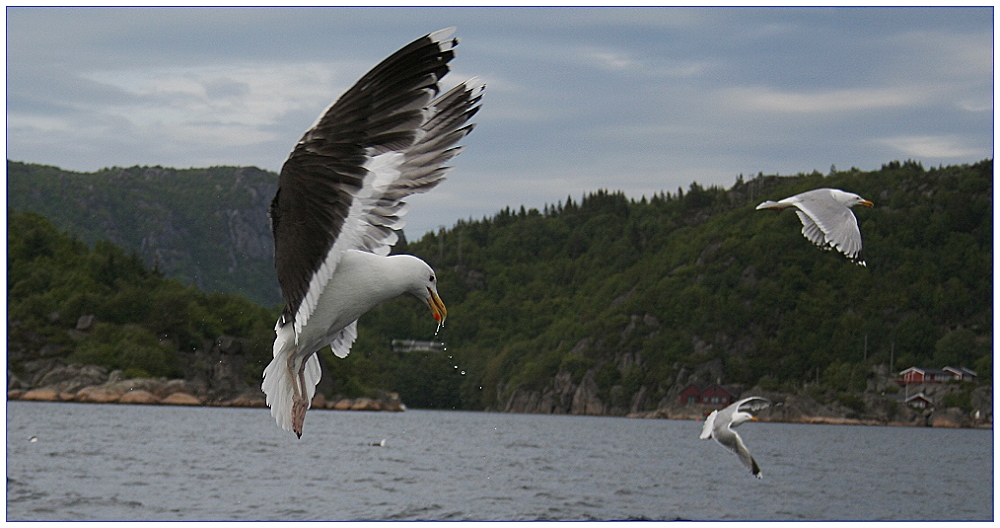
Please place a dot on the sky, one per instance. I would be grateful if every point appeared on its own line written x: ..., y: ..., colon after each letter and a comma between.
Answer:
x: 577, y: 100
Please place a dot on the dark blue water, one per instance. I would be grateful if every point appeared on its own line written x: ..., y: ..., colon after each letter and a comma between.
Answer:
x: 120, y: 462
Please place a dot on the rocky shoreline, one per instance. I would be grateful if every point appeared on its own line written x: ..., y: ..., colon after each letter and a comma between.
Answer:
x: 173, y: 393
x: 91, y: 384
x: 882, y: 403
x: 952, y: 418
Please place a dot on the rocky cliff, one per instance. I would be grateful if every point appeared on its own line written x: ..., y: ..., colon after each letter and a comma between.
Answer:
x: 206, y: 227
x: 881, y: 404
x: 93, y: 384
x: 214, y: 374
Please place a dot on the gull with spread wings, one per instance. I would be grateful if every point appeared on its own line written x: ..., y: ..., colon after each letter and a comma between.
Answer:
x: 827, y: 220
x: 339, y: 202
x: 719, y: 425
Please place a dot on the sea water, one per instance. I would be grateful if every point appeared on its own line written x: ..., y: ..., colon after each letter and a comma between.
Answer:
x: 69, y: 461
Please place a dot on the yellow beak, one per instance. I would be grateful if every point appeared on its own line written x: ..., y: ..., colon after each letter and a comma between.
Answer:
x: 438, y: 309
x: 867, y: 203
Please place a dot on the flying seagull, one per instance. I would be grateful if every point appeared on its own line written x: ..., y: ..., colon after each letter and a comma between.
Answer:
x: 340, y: 201
x: 827, y: 220
x: 719, y: 425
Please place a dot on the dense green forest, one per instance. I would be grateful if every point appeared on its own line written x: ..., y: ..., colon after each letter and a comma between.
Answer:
x: 203, y: 227
x: 638, y: 291
x: 633, y: 296
x: 146, y: 325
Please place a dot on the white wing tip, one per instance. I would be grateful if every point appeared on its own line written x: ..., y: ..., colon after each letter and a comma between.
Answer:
x: 441, y: 35
x: 478, y: 88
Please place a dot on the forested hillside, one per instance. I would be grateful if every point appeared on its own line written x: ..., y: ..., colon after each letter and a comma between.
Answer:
x: 68, y: 303
x: 203, y: 227
x: 633, y: 299
x: 609, y: 305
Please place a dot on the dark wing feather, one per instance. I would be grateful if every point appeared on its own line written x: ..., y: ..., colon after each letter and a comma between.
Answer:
x: 421, y: 168
x: 318, y: 183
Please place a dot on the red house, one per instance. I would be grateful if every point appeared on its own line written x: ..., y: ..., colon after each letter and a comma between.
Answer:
x: 690, y: 394
x: 929, y: 375
x: 714, y: 395
x: 923, y: 375
x: 920, y: 401
x: 961, y: 373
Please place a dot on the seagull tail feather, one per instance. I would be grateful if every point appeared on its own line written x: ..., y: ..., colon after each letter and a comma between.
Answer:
x: 706, y: 430
x: 770, y: 204
x: 278, y: 386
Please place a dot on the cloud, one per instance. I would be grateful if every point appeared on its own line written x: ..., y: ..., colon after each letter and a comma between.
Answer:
x: 976, y: 105
x: 225, y: 106
x: 945, y: 55
x: 766, y: 99
x: 577, y: 99
x: 922, y: 147
x: 253, y: 93
x: 647, y: 67
x: 611, y: 60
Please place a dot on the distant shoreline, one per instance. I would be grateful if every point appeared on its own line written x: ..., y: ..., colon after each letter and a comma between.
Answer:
x: 105, y: 395
x: 373, y: 405
x: 832, y: 420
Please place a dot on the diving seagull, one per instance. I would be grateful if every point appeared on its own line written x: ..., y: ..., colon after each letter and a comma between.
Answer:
x: 340, y: 201
x: 719, y: 425
x: 827, y: 220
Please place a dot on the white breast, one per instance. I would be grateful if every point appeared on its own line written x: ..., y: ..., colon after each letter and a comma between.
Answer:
x: 357, y: 286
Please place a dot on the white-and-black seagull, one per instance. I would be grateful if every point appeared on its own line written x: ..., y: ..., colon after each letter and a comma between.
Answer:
x: 719, y: 425
x: 827, y: 220
x: 340, y: 201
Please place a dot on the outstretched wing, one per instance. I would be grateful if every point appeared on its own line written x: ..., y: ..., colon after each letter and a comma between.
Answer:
x: 752, y: 404
x: 812, y: 232
x: 732, y: 441
x: 417, y: 169
x: 745, y: 457
x: 834, y: 220
x: 706, y: 430
x: 342, y: 186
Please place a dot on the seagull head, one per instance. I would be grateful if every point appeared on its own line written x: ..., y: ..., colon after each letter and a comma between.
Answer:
x: 423, y: 285
x: 850, y: 199
x: 741, y: 417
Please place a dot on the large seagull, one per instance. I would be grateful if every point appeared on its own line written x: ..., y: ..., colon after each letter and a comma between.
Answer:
x: 340, y: 201
x: 719, y: 425
x: 827, y: 220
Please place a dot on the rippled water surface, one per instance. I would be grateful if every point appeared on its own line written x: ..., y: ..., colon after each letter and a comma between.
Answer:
x: 120, y: 462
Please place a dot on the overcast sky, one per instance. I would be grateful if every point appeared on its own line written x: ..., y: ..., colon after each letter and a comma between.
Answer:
x: 638, y: 100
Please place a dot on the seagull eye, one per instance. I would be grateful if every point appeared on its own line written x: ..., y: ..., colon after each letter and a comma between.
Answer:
x: 431, y: 278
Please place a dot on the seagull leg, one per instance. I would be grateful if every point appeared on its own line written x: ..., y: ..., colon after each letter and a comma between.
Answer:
x: 299, y: 406
x: 298, y: 415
